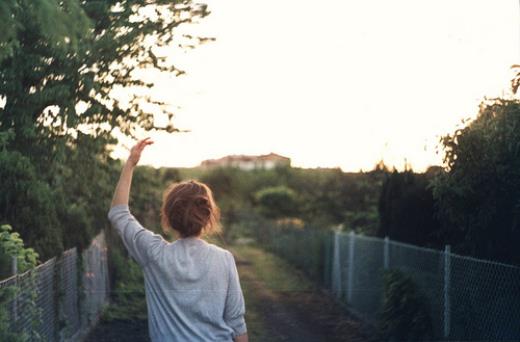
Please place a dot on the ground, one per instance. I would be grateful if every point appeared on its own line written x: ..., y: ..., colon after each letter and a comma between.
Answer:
x: 282, y: 305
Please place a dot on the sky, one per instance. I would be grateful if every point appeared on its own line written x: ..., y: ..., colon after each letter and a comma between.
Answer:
x: 335, y: 83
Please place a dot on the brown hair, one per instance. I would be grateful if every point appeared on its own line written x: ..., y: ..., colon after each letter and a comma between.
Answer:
x: 189, y: 208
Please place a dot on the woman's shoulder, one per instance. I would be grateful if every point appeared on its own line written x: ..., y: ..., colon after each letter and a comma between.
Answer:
x: 224, y: 253
x: 218, y: 249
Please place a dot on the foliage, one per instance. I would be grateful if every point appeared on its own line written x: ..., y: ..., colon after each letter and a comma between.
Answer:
x: 330, y: 197
x: 128, y: 298
x: 146, y: 196
x: 277, y: 202
x: 12, y: 246
x: 405, y: 315
x: 323, y: 197
x: 479, y: 195
x: 29, y: 203
x: 56, y: 63
x: 62, y: 64
x: 407, y: 209
x: 55, y: 22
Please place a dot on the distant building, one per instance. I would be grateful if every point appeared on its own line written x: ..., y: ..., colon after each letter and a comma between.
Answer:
x: 268, y: 161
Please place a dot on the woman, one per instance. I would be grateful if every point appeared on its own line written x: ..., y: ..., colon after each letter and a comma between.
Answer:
x: 192, y: 288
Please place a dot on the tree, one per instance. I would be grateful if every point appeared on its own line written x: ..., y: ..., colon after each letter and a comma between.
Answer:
x: 407, y: 209
x: 479, y: 195
x: 51, y: 68
x: 59, y: 64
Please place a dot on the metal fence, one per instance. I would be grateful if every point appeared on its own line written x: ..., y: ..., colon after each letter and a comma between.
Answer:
x: 61, y: 299
x: 468, y: 298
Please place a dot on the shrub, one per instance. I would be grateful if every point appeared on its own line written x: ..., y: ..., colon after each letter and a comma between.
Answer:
x: 277, y: 202
x: 406, y: 314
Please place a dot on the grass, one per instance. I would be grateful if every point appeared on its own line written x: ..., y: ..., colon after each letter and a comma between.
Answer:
x: 264, y: 275
x: 275, y: 273
x: 128, y: 302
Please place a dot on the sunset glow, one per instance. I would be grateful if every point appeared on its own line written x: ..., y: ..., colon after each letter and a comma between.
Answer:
x: 339, y: 84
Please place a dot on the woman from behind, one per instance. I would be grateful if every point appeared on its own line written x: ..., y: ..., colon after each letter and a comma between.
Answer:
x: 192, y: 287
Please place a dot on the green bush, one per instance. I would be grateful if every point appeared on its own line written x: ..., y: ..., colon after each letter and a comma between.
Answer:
x: 277, y: 202
x: 406, y: 314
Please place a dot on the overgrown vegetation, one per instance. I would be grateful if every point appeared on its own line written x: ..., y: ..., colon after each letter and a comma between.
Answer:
x: 12, y: 246
x: 405, y: 315
x: 128, y: 300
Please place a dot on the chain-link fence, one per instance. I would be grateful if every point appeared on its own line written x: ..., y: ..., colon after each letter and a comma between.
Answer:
x: 61, y: 299
x: 467, y: 298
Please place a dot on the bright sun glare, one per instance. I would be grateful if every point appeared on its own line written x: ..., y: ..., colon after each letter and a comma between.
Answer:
x: 342, y: 83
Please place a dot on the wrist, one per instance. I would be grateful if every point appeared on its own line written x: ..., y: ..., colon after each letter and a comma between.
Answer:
x: 129, y: 165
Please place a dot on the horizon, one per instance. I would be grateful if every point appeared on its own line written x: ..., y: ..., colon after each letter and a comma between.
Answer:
x: 390, y: 168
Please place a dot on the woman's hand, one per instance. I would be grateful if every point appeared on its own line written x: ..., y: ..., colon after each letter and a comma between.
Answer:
x: 122, y: 192
x: 135, y: 152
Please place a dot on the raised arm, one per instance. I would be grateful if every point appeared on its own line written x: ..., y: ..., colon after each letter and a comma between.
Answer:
x: 122, y: 192
x: 142, y: 244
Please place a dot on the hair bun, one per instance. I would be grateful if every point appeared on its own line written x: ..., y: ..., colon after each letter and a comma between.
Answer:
x: 202, y: 202
x: 189, y: 208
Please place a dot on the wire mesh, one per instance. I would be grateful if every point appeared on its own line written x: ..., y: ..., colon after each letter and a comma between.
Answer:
x: 305, y: 248
x: 426, y: 267
x: 69, y: 311
x: 367, y: 277
x: 485, y: 300
x: 46, y: 300
x: 468, y: 299
x: 47, y: 303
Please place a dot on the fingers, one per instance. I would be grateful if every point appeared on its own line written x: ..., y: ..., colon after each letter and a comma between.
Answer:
x: 146, y: 141
x: 143, y: 143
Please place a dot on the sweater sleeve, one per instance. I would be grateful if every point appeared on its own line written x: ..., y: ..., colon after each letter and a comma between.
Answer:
x: 142, y: 245
x: 235, y: 307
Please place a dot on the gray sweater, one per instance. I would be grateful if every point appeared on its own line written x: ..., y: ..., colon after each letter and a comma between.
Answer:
x: 192, y: 288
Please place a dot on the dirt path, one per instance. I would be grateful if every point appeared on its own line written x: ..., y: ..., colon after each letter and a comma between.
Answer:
x: 290, y: 309
x: 120, y: 330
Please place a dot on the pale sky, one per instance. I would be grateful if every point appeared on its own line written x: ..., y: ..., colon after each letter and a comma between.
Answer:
x: 336, y: 82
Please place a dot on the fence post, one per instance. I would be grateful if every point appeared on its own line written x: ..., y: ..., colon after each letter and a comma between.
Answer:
x: 447, y: 274
x: 326, y: 261
x: 336, y: 267
x: 350, y: 279
x: 14, y: 271
x: 386, y: 253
